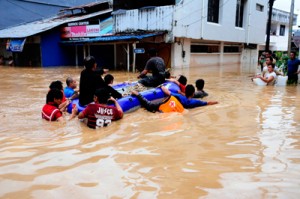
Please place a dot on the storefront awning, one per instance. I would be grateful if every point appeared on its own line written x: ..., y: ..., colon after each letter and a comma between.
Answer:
x: 29, y: 29
x: 113, y: 38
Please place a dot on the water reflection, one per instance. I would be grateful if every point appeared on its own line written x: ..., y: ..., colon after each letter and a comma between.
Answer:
x: 247, y: 146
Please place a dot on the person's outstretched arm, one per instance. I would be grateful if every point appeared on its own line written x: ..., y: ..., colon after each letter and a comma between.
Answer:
x: 212, y: 102
x: 150, y: 106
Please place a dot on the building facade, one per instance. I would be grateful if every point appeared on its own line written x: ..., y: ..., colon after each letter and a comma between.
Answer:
x: 204, y: 32
x: 41, y: 43
x: 279, y: 32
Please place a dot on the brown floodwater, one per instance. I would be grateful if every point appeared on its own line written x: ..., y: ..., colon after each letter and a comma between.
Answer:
x: 247, y: 146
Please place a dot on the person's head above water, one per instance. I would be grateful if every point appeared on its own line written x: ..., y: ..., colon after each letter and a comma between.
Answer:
x: 189, y: 90
x: 200, y: 84
x: 56, y: 84
x: 89, y: 62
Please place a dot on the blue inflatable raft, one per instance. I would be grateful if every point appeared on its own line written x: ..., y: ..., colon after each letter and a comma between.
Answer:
x: 131, y: 103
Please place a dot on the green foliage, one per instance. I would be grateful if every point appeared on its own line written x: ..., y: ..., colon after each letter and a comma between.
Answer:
x: 281, y: 61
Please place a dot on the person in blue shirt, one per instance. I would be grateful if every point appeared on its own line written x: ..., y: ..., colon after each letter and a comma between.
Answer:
x: 171, y: 105
x: 293, y: 65
x: 70, y: 91
x: 188, y: 102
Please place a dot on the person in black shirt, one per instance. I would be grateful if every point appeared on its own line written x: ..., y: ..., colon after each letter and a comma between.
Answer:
x: 109, y: 79
x: 157, y: 66
x: 90, y: 81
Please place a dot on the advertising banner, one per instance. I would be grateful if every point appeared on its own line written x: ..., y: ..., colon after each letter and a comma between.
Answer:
x: 80, y: 29
x: 15, y: 45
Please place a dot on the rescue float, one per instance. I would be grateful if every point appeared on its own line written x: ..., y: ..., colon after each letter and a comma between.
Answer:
x: 131, y: 103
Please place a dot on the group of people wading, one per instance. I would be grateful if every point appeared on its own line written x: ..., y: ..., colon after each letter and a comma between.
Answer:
x: 95, y: 93
x: 270, y: 71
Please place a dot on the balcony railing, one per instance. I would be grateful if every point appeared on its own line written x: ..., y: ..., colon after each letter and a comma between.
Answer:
x: 282, y: 16
x: 144, y: 19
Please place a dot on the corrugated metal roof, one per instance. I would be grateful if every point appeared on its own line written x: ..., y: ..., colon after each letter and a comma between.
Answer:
x: 132, y: 37
x: 62, y: 3
x: 36, y: 27
x: 16, y: 12
x: 87, y: 5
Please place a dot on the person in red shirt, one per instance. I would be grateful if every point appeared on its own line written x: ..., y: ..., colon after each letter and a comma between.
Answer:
x: 65, y: 102
x: 181, y: 82
x: 50, y: 111
x: 98, y: 113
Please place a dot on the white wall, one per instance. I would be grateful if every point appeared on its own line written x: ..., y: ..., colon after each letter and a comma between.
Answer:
x: 279, y: 43
x: 177, y: 61
x: 191, y: 22
x: 249, y: 61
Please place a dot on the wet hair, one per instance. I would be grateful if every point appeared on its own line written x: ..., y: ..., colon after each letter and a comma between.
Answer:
x: 69, y: 80
x: 273, y: 65
x: 103, y: 95
x: 189, y: 90
x: 53, y: 94
x: 152, y: 52
x: 56, y: 84
x: 200, y: 84
x: 108, y: 78
x: 182, y: 79
x: 89, y: 62
x: 271, y: 58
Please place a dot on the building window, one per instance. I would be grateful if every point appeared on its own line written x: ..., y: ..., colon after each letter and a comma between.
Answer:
x: 282, y: 30
x: 232, y: 49
x: 239, y: 13
x: 205, y: 49
x: 213, y: 11
x: 259, y: 7
x: 273, y: 29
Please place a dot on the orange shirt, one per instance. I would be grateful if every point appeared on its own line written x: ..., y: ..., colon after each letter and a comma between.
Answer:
x: 171, y: 105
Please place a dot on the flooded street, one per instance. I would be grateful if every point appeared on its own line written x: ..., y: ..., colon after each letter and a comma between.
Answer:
x: 247, y: 146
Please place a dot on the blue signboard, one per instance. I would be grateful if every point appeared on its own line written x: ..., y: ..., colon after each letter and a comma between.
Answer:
x: 15, y: 45
x: 139, y: 50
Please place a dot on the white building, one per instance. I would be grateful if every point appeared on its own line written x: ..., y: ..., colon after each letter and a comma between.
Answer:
x: 279, y: 30
x: 203, y: 32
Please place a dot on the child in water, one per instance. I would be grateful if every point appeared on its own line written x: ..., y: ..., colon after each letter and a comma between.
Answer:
x: 50, y: 111
x: 200, y: 93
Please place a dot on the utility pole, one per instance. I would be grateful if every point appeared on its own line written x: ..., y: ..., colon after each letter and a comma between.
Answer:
x: 291, y: 27
x: 271, y: 2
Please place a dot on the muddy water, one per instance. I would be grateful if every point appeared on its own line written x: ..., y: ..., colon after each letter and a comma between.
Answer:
x: 247, y: 146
